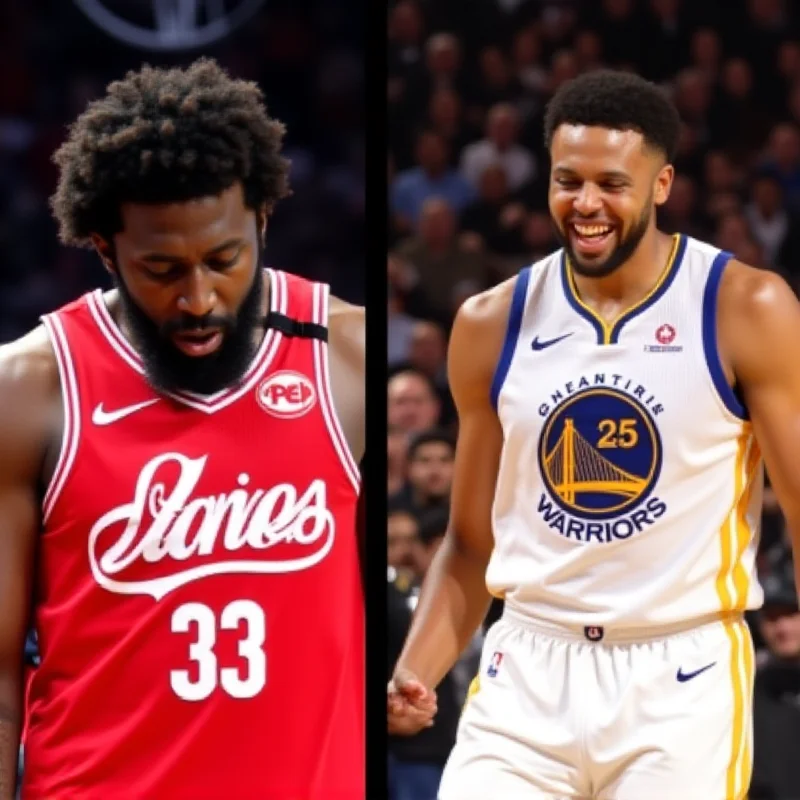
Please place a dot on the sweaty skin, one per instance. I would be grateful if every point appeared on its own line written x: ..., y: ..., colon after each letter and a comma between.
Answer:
x: 30, y: 438
x: 758, y: 325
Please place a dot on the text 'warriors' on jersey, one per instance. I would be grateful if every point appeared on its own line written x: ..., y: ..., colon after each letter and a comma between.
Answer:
x: 630, y: 481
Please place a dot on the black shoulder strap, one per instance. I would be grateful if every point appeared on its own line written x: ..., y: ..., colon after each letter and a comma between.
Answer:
x: 293, y: 327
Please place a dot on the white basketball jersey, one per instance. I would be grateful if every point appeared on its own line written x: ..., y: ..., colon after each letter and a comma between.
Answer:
x: 630, y: 483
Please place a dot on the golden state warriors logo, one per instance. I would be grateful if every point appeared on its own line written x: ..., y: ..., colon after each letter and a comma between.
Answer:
x: 600, y: 457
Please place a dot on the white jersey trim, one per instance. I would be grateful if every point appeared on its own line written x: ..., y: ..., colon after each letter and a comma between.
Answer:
x: 212, y: 403
x: 70, y: 398
x: 322, y: 375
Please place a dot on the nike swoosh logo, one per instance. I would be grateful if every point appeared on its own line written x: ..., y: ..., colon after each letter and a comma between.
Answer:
x: 687, y: 676
x: 102, y: 417
x: 537, y: 345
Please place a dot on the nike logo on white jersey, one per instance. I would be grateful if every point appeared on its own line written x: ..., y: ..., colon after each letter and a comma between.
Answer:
x: 102, y: 417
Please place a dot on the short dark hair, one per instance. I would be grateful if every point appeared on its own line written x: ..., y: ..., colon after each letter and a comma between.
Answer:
x: 166, y: 136
x: 619, y: 101
x: 436, y: 435
x: 433, y: 524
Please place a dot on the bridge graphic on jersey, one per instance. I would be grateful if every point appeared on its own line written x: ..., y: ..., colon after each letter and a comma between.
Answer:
x: 573, y: 466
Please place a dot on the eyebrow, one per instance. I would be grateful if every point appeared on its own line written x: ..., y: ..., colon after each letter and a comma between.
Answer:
x: 608, y: 174
x: 165, y: 258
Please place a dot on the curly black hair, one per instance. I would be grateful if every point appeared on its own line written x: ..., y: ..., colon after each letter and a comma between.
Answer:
x: 166, y: 136
x: 619, y: 101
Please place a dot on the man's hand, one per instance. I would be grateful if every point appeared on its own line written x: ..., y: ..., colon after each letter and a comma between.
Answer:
x: 409, y: 704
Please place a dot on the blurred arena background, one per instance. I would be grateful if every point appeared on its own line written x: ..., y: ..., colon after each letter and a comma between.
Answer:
x: 56, y: 55
x: 468, y: 172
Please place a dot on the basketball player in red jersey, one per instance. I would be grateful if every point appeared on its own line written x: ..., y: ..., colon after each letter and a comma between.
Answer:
x: 178, y: 477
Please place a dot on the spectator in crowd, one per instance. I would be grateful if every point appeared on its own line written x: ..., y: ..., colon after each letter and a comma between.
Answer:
x: 776, y: 700
x: 773, y: 227
x: 405, y: 292
x: 428, y: 350
x: 446, y: 117
x: 432, y: 179
x: 495, y: 82
x: 588, y: 51
x: 499, y: 147
x: 783, y: 159
x: 705, y: 53
x: 413, y: 405
x: 397, y: 459
x: 538, y: 236
x: 693, y: 100
x: 426, y: 354
x: 402, y: 541
x: 788, y: 64
x: 416, y: 763
x: 400, y: 328
x: 405, y: 46
x: 430, y: 473
x: 527, y: 61
x: 439, y: 257
x: 496, y: 216
x: 719, y: 173
x: 793, y: 104
x: 680, y: 213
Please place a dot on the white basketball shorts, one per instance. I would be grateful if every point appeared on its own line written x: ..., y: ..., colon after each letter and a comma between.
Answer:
x: 594, y: 716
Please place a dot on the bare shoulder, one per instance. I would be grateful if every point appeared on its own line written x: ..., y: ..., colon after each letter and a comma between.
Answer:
x: 347, y: 326
x: 478, y: 333
x: 29, y: 393
x: 759, y: 319
x: 491, y: 306
x: 754, y: 293
x: 28, y: 365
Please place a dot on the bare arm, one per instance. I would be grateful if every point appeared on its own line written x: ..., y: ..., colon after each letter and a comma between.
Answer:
x: 347, y: 347
x: 27, y: 373
x: 454, y: 598
x: 759, y: 325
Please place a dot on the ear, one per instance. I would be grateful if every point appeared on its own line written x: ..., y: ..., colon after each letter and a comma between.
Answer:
x: 262, y: 216
x: 663, y: 184
x: 105, y: 250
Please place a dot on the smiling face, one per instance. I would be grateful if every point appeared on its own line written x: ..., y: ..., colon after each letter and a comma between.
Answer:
x: 190, y: 288
x: 604, y: 185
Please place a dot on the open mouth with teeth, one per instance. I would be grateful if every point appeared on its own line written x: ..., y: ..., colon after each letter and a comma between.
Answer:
x: 591, y: 239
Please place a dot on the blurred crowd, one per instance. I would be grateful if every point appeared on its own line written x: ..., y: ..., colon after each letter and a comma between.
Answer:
x: 467, y: 169
x: 306, y: 56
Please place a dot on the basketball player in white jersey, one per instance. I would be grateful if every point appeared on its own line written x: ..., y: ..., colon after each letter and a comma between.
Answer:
x: 615, y: 401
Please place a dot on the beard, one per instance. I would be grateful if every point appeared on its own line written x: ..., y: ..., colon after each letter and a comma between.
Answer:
x: 621, y: 253
x: 168, y: 369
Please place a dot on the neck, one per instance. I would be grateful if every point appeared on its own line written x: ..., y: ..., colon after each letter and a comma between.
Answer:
x: 631, y: 281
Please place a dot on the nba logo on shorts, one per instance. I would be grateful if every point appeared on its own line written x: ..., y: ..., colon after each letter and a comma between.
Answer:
x: 494, y: 665
x: 593, y: 633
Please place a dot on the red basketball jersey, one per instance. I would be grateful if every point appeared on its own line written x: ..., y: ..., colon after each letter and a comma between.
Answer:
x: 200, y: 609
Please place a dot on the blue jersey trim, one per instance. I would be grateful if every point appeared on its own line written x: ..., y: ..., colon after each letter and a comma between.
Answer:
x: 512, y: 333
x: 710, y: 349
x: 657, y: 294
x: 608, y: 332
x: 591, y: 318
